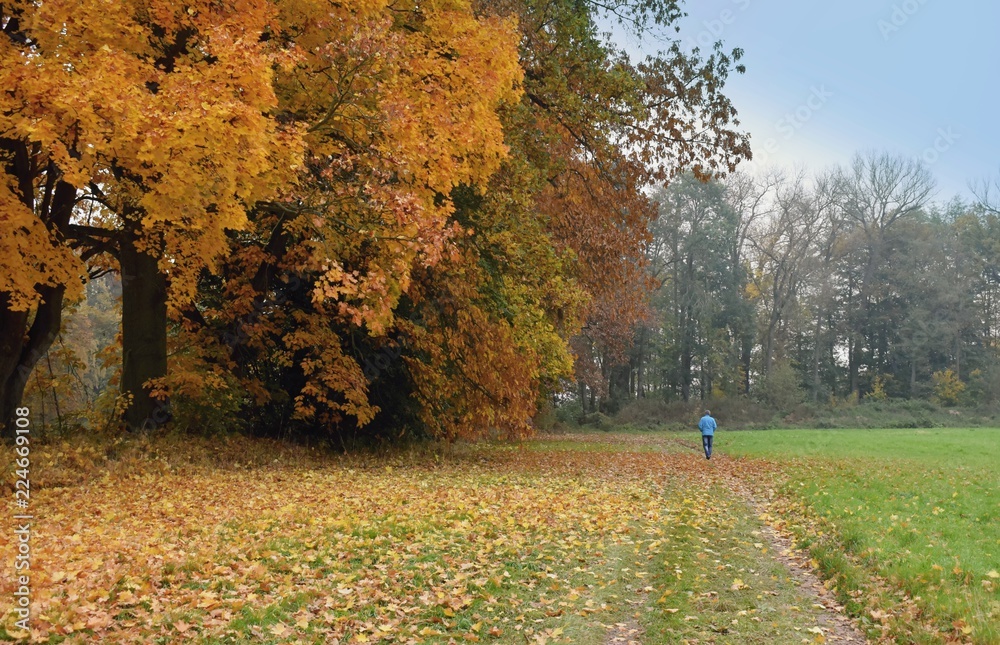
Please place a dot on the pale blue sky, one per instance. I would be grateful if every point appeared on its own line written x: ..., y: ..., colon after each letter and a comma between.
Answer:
x: 824, y: 80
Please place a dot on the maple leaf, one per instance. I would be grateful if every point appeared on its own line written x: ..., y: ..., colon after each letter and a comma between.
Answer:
x: 281, y: 630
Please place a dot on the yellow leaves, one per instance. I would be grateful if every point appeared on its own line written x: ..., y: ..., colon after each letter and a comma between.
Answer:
x: 30, y: 255
x: 948, y: 387
x: 281, y: 630
x: 738, y: 585
x: 192, y: 139
x: 450, y: 550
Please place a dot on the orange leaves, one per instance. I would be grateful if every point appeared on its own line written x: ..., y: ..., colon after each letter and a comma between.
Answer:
x: 160, y: 110
x: 30, y: 254
x: 425, y: 128
x: 442, y: 103
x: 494, y: 542
x: 474, y: 372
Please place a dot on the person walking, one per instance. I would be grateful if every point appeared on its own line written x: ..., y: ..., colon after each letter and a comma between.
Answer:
x: 707, y: 425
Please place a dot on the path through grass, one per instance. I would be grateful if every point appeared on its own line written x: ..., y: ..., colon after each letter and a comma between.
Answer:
x: 906, y: 521
x: 551, y: 541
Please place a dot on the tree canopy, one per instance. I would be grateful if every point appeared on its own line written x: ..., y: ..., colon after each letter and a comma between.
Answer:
x: 372, y: 217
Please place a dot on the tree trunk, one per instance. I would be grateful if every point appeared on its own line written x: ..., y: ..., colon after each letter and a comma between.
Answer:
x: 144, y: 334
x: 769, y: 343
x: 854, y: 364
x: 640, y: 388
x: 20, y: 347
x: 831, y: 352
x: 958, y: 356
x: 862, y: 324
x: 707, y: 384
x: 816, y: 355
x: 686, y: 360
x: 13, y: 325
x: 33, y: 346
x: 746, y: 356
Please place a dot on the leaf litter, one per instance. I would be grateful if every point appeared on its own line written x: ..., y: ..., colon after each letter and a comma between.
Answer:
x: 615, y: 540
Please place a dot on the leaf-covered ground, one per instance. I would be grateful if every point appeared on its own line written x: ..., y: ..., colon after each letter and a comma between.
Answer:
x: 584, y: 540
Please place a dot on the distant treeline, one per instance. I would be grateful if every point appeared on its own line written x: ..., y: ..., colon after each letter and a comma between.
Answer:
x: 850, y: 285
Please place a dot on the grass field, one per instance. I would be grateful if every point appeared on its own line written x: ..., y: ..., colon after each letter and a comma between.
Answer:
x: 551, y: 541
x: 919, y: 509
x: 568, y: 539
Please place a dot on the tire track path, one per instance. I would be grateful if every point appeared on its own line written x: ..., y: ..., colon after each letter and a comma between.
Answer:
x: 837, y: 626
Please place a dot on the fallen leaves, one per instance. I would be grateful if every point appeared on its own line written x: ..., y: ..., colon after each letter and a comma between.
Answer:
x: 501, y: 539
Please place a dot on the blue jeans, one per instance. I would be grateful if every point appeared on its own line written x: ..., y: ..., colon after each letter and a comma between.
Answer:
x: 706, y: 442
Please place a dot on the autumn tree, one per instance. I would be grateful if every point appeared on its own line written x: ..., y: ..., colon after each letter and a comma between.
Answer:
x: 446, y: 297
x: 603, y: 129
x: 325, y: 283
x: 163, y: 115
x: 292, y: 191
x: 36, y: 205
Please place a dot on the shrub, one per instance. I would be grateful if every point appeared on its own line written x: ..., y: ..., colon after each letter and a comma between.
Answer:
x: 781, y: 388
x: 569, y: 413
x: 597, y: 420
x: 984, y: 386
x: 878, y: 389
x: 654, y: 411
x: 731, y: 412
x: 948, y: 387
x: 801, y: 412
x: 546, y: 418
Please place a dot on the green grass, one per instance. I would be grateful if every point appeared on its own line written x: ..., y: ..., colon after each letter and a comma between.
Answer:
x: 720, y: 582
x: 551, y: 540
x: 919, y: 509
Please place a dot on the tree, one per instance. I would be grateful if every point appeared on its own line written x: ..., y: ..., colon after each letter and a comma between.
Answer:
x: 164, y: 116
x: 328, y: 278
x: 706, y: 307
x: 607, y: 129
x: 987, y: 193
x: 784, y: 246
x: 290, y: 188
x: 876, y: 192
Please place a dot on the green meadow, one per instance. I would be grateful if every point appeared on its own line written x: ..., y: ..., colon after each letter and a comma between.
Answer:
x: 905, y: 521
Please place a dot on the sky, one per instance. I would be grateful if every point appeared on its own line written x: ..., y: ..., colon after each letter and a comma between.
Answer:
x: 825, y: 80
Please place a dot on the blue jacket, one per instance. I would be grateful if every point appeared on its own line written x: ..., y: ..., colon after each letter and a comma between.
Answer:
x: 707, y: 425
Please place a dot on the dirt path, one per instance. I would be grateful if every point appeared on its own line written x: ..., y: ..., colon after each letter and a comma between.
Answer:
x: 626, y: 633
x: 838, y: 626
